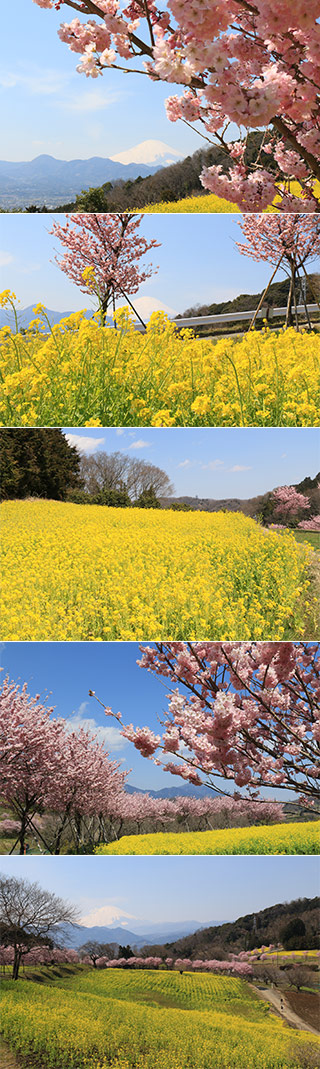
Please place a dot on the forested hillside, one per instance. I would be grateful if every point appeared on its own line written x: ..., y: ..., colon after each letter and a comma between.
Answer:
x: 270, y: 925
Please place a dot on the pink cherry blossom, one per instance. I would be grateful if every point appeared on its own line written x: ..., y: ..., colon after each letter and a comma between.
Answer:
x: 255, y: 65
x: 102, y: 254
x: 248, y: 712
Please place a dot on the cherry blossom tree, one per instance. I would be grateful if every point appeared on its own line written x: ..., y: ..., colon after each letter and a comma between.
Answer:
x: 103, y: 253
x: 140, y: 813
x: 46, y: 767
x: 288, y: 502
x: 242, y: 711
x: 286, y: 242
x: 236, y: 965
x: 310, y: 525
x: 247, y: 62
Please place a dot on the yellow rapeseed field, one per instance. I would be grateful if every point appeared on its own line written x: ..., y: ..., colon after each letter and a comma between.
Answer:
x: 112, y: 1020
x: 91, y: 572
x: 209, y: 202
x: 80, y: 374
x: 299, y: 838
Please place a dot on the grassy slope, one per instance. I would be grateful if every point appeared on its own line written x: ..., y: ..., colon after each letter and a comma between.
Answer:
x: 312, y: 537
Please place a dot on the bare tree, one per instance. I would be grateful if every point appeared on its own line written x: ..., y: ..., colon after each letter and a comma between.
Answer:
x: 299, y: 976
x: 95, y: 950
x: 29, y: 914
x: 142, y: 475
x: 112, y: 471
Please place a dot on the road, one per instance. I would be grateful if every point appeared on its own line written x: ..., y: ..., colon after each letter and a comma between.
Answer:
x: 277, y: 999
x: 7, y: 1058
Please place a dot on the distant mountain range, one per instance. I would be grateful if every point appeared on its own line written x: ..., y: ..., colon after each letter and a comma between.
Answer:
x: 250, y: 506
x: 25, y: 315
x: 50, y: 182
x: 186, y: 791
x: 159, y: 933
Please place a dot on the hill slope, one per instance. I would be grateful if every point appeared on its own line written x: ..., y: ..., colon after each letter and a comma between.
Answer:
x: 252, y: 930
x: 252, y: 506
x: 277, y: 296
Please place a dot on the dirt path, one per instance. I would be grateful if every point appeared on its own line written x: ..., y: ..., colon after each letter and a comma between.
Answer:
x: 7, y: 1058
x: 276, y: 998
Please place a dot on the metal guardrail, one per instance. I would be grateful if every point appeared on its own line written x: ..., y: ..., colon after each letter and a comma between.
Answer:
x: 235, y: 317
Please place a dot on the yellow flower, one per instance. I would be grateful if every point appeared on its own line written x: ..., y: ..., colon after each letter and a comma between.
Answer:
x: 143, y: 572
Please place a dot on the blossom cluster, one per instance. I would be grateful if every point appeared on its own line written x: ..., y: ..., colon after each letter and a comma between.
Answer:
x: 103, y: 252
x: 241, y: 63
x: 252, y: 714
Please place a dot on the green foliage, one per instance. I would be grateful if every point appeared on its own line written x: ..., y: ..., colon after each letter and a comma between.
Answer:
x: 125, y: 952
x: 181, y: 506
x: 293, y: 935
x: 37, y: 462
x: 148, y: 499
x: 115, y: 497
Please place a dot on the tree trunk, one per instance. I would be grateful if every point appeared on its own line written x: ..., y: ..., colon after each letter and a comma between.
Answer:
x: 265, y: 292
x: 16, y: 963
x: 289, y: 305
x: 293, y: 271
x: 22, y: 835
x: 305, y: 302
x: 104, y: 305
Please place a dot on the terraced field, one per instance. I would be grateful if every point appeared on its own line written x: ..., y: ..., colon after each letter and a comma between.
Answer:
x: 118, y: 1020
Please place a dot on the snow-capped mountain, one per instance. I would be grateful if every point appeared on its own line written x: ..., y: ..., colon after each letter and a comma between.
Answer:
x: 153, y: 153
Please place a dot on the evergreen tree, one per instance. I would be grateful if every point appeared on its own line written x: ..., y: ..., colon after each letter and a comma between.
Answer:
x: 148, y: 499
x: 37, y: 462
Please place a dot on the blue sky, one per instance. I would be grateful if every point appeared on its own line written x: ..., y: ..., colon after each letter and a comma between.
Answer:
x: 198, y: 263
x: 47, y: 107
x: 69, y: 670
x: 63, y: 673
x: 214, y: 462
x: 204, y: 889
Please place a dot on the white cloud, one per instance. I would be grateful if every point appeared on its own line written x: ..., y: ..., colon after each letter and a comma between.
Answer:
x: 212, y: 465
x: 5, y: 258
x: 7, y: 81
x: 120, y: 430
x: 91, y: 101
x: 48, y: 147
x: 185, y: 464
x: 106, y: 914
x: 85, y: 443
x: 37, y: 81
x: 140, y: 444
x: 109, y: 735
x: 283, y: 456
x: 241, y: 467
